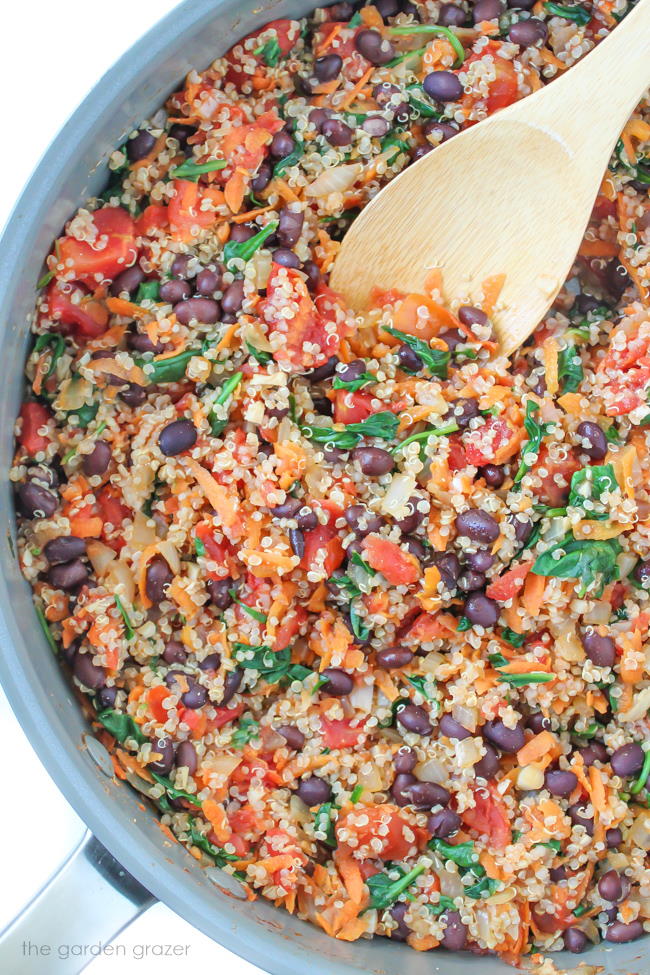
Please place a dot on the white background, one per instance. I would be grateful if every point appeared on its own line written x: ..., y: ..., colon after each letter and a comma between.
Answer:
x: 52, y: 54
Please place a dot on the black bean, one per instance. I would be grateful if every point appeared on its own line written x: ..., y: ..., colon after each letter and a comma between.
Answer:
x: 174, y: 652
x: 164, y: 748
x: 441, y: 131
x: 175, y: 290
x: 127, y: 281
x: 448, y: 566
x: 426, y: 795
x: 409, y: 359
x: 233, y: 297
x: 337, y: 132
x: 480, y: 561
x: 527, y: 33
x: 578, y: 817
x: 620, y: 933
x: 290, y: 224
x: 453, y: 729
x: 323, y: 405
x: 292, y: 735
x: 337, y: 682
x: 538, y: 723
x: 392, y: 658
x: 384, y: 91
x: 601, y: 650
x: 402, y: 931
x: 314, y: 791
x: 400, y: 788
x: 493, y: 474
x: 469, y: 314
x: 613, y: 838
x: 208, y: 281
x: 560, y: 783
x: 140, y: 145
x: 523, y: 528
x: 87, y: 673
x: 106, y: 697
x: 180, y: 266
x: 64, y: 548
x: 411, y: 521
x: 36, y: 501
x: 628, y: 760
x: 470, y: 581
x: 68, y: 576
x: 443, y: 823
x: 281, y: 145
x: 481, y: 610
x: 186, y: 757
x: 641, y: 573
x: 387, y: 8
x: 158, y: 578
x: 373, y: 47
x: 231, y: 685
x: 323, y: 372
x: 450, y: 15
x: 443, y: 86
x: 612, y: 887
x: 177, y: 437
x: 181, y: 133
x: 452, y: 337
x: 297, y: 542
x: 488, y: 766
x: 413, y: 545
x: 616, y: 279
x: 203, y: 310
x: 219, y: 592
x: 455, y: 936
x: 312, y: 270
x: 478, y: 525
x: 509, y: 740
x: 96, y: 463
x: 361, y: 520
x: 210, y: 663
x: 285, y: 258
x: 584, y: 303
x: 404, y: 760
x: 306, y: 519
x: 133, y: 395
x: 575, y: 941
x: 327, y: 68
x: 142, y: 343
x: 557, y: 874
x: 351, y: 371
x: 376, y: 126
x: 373, y: 461
x: 487, y: 10
x: 195, y: 696
x: 415, y: 719
x: 596, y: 441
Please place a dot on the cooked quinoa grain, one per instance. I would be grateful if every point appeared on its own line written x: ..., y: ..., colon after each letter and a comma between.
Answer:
x: 361, y: 605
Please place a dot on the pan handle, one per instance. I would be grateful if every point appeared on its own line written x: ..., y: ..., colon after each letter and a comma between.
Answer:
x: 84, y: 905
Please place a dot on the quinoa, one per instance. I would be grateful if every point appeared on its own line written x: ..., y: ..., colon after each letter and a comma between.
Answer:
x: 359, y: 603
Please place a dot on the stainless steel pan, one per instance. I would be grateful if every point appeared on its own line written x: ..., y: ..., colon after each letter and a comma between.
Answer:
x: 93, y: 897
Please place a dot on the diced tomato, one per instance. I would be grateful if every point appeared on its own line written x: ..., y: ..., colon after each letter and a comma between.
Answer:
x: 382, y: 822
x: 112, y: 251
x: 627, y: 393
x: 489, y: 817
x: 482, y: 446
x: 217, y: 551
x: 88, y: 317
x: 246, y: 822
x: 195, y: 719
x: 457, y: 457
x: 424, y: 629
x: 338, y: 733
x: 241, y: 54
x: 324, y: 538
x: 223, y: 716
x: 502, y: 90
x: 508, y: 584
x: 400, y: 568
x: 343, y: 44
x: 550, y: 491
x: 255, y: 768
x: 552, y: 923
x: 156, y: 696
x: 617, y: 597
x: 113, y: 512
x: 242, y: 846
x: 290, y: 627
x: 153, y: 217
x: 186, y: 218
x: 33, y: 417
x: 246, y: 144
x: 352, y: 407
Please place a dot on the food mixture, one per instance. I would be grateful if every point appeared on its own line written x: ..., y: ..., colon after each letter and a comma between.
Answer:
x: 359, y: 603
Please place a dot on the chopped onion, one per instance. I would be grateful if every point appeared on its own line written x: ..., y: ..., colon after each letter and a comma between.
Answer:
x: 639, y: 708
x: 395, y: 501
x: 568, y: 645
x: 639, y: 834
x: 339, y: 179
x: 465, y: 716
x: 361, y: 698
x: 171, y: 556
x: 100, y: 556
x: 432, y: 662
x: 468, y: 752
x: 450, y: 884
x: 431, y: 771
x: 73, y: 394
x: 120, y: 575
x: 143, y: 533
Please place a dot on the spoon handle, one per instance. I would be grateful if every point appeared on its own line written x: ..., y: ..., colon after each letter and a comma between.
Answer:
x: 587, y: 107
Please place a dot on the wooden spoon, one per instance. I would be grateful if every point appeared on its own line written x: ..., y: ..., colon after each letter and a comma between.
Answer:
x: 510, y: 195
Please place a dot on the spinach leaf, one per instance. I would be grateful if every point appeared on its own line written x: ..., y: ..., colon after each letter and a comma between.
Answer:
x: 129, y: 632
x: 121, y: 726
x: 270, y: 52
x: 522, y: 680
x: 591, y: 561
x: 217, y: 426
x: 436, y: 360
x: 191, y: 170
x: 590, y: 484
x: 570, y: 371
x: 579, y: 15
x: 243, y: 250
x: 247, y: 729
x: 272, y: 665
x: 419, y: 682
x: 438, y: 32
x: 45, y: 626
x: 148, y: 290
x: 173, y: 792
x: 381, y: 425
x: 384, y: 891
x: 425, y: 435
x: 463, y: 854
x: 292, y: 159
x: 536, y: 431
x: 484, y: 887
x: 259, y: 354
x: 199, y: 546
x: 85, y: 414
x: 323, y: 823
x: 346, y: 585
x: 444, y: 904
x: 514, y: 639
x: 58, y: 348
x: 554, y: 845
x: 356, y: 794
x: 360, y: 630
x: 220, y: 857
x: 169, y: 370
x: 253, y: 613
x: 353, y: 384
x: 463, y: 624
x: 420, y: 101
x: 357, y: 560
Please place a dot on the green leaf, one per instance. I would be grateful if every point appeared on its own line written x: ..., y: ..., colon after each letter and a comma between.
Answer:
x: 323, y: 823
x: 129, y: 632
x: 514, y: 639
x: 169, y: 370
x: 173, y: 792
x: 589, y: 732
x: 45, y: 280
x: 393, y: 141
x: 255, y: 613
x: 590, y: 484
x: 484, y: 887
x: 356, y: 793
x: 570, y: 371
x: 270, y: 52
x: 58, y: 348
x: 436, y: 360
x: 612, y: 434
x: 85, y: 414
x: 217, y: 426
x: 591, y: 561
x: 384, y: 891
x: 463, y: 854
x: 354, y: 384
x: 435, y: 30
x: 463, y: 625
x: 497, y: 660
x: 577, y: 14
x: 147, y: 291
x: 419, y: 682
x: 644, y: 774
x: 247, y: 729
x: 420, y: 101
x: 536, y: 431
x: 444, y: 904
x: 261, y: 356
x: 554, y: 845
x: 45, y: 626
x: 243, y: 250
x: 199, y: 546
x: 121, y: 726
x: 355, y: 20
x: 292, y: 159
x: 346, y: 585
x: 360, y: 630
x: 425, y: 435
x: 381, y: 425
x: 521, y: 680
x: 220, y: 857
x: 191, y: 170
x: 272, y: 665
x: 357, y: 560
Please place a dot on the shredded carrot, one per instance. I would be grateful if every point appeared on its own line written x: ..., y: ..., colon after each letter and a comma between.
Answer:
x: 349, y: 96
